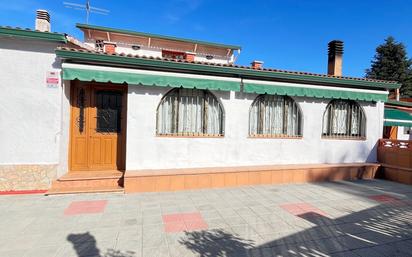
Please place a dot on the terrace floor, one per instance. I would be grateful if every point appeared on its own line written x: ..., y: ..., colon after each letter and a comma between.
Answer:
x: 362, y: 218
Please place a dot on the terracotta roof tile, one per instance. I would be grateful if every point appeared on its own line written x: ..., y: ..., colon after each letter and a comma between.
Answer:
x: 230, y: 65
x: 29, y: 29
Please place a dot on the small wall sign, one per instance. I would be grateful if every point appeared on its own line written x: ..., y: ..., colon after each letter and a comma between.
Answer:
x: 52, y: 79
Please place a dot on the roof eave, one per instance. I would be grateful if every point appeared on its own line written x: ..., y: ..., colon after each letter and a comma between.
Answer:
x: 398, y: 103
x: 30, y: 34
x: 135, y: 33
x: 221, y: 70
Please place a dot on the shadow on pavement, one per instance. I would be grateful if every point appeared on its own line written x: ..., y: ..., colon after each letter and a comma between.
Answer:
x: 383, y: 230
x: 216, y: 243
x: 85, y: 246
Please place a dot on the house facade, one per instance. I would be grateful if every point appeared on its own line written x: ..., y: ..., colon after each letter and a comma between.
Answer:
x: 158, y: 113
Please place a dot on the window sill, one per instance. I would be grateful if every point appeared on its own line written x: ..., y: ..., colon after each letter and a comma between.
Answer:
x: 343, y: 138
x: 274, y: 137
x: 190, y: 135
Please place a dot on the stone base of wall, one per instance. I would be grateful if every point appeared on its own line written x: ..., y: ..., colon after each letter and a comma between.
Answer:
x: 187, y: 179
x: 27, y: 177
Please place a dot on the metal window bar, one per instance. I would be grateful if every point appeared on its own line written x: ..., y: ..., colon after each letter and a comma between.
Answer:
x: 188, y: 112
x: 81, y: 103
x: 344, y: 119
x: 274, y: 116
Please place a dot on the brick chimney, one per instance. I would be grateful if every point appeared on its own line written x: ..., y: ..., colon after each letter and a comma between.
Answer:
x: 190, y: 57
x: 257, y: 64
x: 109, y: 47
x: 335, y: 52
x: 42, y: 21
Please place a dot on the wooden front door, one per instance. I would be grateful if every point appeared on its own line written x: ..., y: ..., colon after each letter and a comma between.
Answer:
x: 98, y: 127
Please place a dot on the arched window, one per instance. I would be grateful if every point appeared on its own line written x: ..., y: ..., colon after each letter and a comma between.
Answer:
x: 344, y: 119
x: 190, y: 112
x: 273, y: 115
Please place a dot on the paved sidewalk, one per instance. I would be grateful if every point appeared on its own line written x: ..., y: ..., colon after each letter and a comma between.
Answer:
x: 363, y: 218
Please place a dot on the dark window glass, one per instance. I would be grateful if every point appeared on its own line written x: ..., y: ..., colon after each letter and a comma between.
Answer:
x: 109, y: 106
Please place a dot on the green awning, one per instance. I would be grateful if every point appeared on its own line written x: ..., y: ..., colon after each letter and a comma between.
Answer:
x: 148, y: 79
x: 312, y: 92
x: 164, y: 79
x: 394, y: 117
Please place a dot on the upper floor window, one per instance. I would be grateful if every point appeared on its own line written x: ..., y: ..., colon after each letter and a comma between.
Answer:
x: 273, y: 115
x: 99, y: 44
x: 173, y: 55
x: 190, y: 112
x: 344, y: 119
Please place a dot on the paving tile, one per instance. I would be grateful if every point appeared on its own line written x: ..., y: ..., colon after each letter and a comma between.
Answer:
x: 192, y: 225
x: 363, y: 218
x: 179, y: 222
x: 85, y: 207
x: 173, y: 227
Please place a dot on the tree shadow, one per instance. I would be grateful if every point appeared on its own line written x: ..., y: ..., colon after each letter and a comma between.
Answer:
x: 216, y: 243
x: 85, y: 245
x: 381, y: 230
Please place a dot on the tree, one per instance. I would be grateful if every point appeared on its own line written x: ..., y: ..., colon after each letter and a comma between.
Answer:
x: 391, y: 63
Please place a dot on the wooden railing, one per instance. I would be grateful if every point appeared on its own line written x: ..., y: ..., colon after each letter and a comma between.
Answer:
x: 395, y: 157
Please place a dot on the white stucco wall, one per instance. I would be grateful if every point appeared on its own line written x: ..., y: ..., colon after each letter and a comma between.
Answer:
x: 157, y: 53
x: 30, y: 112
x: 146, y: 151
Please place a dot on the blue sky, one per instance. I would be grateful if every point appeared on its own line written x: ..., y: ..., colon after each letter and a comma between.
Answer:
x: 285, y: 34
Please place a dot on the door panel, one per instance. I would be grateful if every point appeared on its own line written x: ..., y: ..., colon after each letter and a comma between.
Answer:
x: 79, y: 143
x: 99, y: 144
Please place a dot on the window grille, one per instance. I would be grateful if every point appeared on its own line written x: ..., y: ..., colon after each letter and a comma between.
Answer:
x: 173, y: 55
x: 81, y: 105
x: 108, y: 108
x: 272, y: 115
x: 99, y: 44
x: 344, y: 119
x: 190, y: 112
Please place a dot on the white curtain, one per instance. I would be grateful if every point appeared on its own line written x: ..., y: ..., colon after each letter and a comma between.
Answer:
x: 343, y: 118
x: 190, y: 118
x: 274, y: 115
x: 189, y: 111
x: 340, y: 118
x: 356, y: 120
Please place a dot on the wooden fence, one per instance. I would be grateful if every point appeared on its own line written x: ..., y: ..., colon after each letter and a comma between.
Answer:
x: 395, y: 157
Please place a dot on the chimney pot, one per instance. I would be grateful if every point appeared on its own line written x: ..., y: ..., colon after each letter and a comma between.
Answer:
x: 335, y: 52
x: 257, y: 64
x: 42, y: 21
x: 190, y: 57
x: 109, y: 47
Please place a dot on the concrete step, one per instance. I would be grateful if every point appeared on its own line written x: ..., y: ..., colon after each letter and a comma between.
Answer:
x: 84, y: 190
x: 89, y: 179
x: 88, y: 182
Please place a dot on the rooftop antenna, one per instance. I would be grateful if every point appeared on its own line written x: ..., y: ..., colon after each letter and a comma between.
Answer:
x: 86, y: 7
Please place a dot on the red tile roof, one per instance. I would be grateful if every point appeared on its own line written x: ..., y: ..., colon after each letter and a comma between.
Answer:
x: 229, y: 65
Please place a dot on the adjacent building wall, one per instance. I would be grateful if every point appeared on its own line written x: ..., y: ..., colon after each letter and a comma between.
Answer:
x: 147, y: 151
x: 157, y: 53
x: 402, y: 135
x: 30, y: 121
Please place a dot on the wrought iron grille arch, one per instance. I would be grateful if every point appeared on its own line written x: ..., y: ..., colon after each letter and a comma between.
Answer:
x: 275, y: 115
x: 190, y: 112
x: 344, y: 119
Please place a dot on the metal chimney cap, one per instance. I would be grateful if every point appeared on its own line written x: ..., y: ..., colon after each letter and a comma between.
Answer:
x: 335, y: 47
x: 43, y: 15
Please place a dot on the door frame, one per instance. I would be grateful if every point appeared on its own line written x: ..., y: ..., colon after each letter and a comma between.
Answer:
x: 102, y: 86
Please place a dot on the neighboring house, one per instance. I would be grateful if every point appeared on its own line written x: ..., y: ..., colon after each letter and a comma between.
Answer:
x: 171, y: 113
x: 398, y: 120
